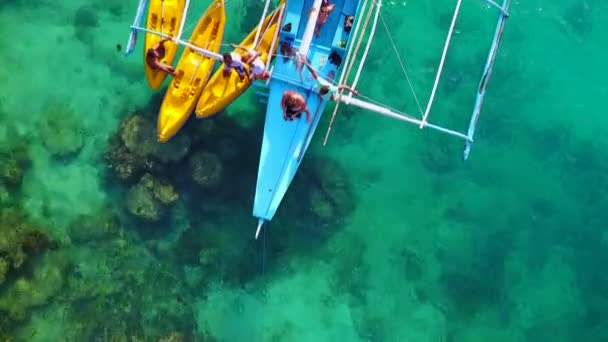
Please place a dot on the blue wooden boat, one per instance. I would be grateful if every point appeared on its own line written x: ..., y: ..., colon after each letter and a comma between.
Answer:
x: 284, y: 143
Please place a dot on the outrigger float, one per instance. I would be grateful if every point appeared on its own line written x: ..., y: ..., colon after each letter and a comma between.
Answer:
x: 333, y: 51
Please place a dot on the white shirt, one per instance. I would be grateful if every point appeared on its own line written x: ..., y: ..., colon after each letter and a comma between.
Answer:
x: 258, y: 66
x: 236, y: 60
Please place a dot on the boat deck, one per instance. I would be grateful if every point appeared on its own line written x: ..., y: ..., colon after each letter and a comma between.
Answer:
x: 285, y: 142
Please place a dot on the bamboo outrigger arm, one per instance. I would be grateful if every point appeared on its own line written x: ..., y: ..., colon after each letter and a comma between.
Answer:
x: 487, y: 71
x: 200, y: 50
x: 139, y: 16
x: 352, y: 101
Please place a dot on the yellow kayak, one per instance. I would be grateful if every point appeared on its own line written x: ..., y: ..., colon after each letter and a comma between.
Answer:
x: 163, y: 16
x: 221, y: 91
x: 192, y: 72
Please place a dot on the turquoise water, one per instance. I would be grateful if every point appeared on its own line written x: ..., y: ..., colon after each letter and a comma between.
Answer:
x: 386, y: 235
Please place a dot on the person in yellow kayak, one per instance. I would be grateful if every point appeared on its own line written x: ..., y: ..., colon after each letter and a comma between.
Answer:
x: 154, y: 57
x: 327, y: 90
x: 257, y: 67
x: 233, y: 60
x: 293, y: 105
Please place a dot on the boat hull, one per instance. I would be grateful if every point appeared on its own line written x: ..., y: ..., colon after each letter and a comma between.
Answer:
x: 164, y: 16
x: 284, y: 143
x: 192, y: 72
x: 222, y: 90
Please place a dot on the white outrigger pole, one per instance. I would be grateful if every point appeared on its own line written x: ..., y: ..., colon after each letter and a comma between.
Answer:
x: 139, y: 15
x: 441, y: 63
x: 349, y: 100
x: 136, y: 27
x: 487, y: 71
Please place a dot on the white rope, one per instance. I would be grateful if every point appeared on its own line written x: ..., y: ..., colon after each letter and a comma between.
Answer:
x: 183, y: 22
x: 440, y: 69
x: 257, y: 34
x: 276, y: 35
x: 351, y: 46
x: 367, y: 46
x: 266, y: 28
x: 390, y: 37
x: 349, y: 68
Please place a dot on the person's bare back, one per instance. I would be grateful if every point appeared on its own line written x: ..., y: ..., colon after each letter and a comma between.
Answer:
x: 324, y: 13
x: 154, y: 56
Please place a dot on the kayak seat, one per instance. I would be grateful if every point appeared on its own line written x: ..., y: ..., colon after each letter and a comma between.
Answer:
x: 154, y: 21
x: 173, y: 24
x: 178, y: 78
x: 197, y: 83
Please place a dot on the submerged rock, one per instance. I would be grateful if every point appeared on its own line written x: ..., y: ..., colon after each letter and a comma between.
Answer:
x: 206, y: 169
x: 85, y: 20
x: 61, y: 131
x: 134, y: 150
x: 330, y: 194
x: 139, y: 136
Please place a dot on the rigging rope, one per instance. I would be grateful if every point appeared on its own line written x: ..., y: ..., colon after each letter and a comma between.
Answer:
x: 348, y: 70
x: 390, y: 37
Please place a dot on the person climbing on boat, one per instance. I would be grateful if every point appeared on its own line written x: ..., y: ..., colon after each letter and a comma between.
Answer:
x: 258, y: 68
x: 233, y: 60
x: 293, y: 105
x: 155, y: 54
x: 324, y: 13
x: 327, y: 90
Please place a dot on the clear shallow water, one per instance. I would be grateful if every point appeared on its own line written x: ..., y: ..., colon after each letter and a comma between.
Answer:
x: 420, y: 247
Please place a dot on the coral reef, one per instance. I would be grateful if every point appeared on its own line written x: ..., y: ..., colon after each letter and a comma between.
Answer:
x: 26, y: 280
x: 148, y: 198
x: 29, y: 291
x: 125, y: 292
x: 134, y: 150
x: 20, y: 240
x: 61, y: 130
x: 96, y: 227
x: 14, y: 161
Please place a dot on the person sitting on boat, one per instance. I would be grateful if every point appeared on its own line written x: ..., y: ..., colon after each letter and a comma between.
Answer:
x: 155, y: 54
x: 293, y: 105
x: 233, y: 60
x: 326, y: 89
x: 258, y: 68
x: 324, y: 12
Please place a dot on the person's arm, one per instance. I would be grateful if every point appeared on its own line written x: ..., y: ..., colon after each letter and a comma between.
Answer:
x: 345, y: 87
x: 311, y: 69
x: 247, y: 72
x: 252, y: 56
x: 165, y: 40
x: 284, y: 105
x: 311, y: 10
x: 307, y: 114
